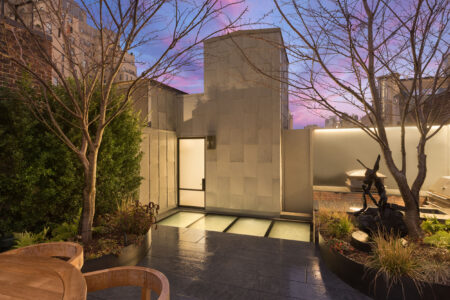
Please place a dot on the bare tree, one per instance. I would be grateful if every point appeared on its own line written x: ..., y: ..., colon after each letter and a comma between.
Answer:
x: 172, y: 30
x: 346, y: 53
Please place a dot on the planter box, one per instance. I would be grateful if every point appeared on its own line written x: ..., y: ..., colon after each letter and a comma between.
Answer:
x: 6, y: 243
x: 363, y: 279
x: 129, y: 256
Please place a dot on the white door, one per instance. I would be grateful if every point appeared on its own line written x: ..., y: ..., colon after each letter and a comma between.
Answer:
x: 191, y: 170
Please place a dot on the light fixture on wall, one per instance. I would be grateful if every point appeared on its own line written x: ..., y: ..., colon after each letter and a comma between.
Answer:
x: 211, y: 142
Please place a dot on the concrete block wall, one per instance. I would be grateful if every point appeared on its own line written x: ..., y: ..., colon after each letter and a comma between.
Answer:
x: 243, y: 110
x: 155, y: 102
x: 163, y: 108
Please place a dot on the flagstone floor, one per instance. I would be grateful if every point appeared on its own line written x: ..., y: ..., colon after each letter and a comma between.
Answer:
x: 215, y: 265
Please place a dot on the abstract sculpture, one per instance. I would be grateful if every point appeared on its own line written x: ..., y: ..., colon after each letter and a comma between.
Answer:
x: 386, y: 216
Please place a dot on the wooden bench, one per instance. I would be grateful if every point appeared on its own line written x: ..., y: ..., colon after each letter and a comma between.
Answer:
x: 146, y: 278
x: 72, y: 251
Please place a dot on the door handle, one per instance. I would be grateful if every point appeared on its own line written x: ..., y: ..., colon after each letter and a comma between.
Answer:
x: 203, y: 184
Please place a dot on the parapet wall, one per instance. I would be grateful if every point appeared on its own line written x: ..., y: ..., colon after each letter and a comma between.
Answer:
x: 336, y: 150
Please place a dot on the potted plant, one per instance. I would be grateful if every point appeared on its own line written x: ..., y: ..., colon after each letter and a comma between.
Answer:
x: 395, y: 268
x: 121, y: 238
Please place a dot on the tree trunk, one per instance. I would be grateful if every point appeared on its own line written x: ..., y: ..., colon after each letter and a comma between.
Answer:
x: 89, y: 192
x: 410, y: 198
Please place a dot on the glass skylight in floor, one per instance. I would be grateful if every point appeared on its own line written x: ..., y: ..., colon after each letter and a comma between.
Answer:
x: 290, y: 231
x: 213, y: 223
x: 250, y: 226
x: 181, y: 219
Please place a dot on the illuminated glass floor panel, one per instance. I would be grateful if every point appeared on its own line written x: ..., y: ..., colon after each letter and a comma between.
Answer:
x: 290, y: 231
x: 181, y: 219
x: 250, y: 226
x: 213, y: 223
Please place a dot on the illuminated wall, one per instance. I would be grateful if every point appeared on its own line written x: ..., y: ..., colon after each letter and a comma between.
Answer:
x: 243, y: 110
x: 336, y: 151
x: 159, y: 168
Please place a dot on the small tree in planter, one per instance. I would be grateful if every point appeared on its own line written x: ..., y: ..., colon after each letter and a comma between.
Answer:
x: 342, y: 48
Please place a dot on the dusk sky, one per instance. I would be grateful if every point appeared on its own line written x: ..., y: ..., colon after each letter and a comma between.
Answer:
x: 263, y: 11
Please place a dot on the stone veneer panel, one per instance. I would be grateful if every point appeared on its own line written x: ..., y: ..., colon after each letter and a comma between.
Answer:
x: 160, y: 163
x: 242, y: 109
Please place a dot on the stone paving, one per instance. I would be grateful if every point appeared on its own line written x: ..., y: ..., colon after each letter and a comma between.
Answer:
x: 215, y: 265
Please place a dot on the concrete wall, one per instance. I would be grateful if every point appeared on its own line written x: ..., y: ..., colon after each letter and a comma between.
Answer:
x: 163, y: 108
x: 155, y: 102
x: 159, y: 168
x: 242, y: 109
x: 336, y: 151
x: 140, y: 98
x: 298, y: 171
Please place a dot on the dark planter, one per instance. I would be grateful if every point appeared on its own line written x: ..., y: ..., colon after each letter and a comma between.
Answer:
x: 6, y: 243
x: 129, y: 256
x: 363, y: 279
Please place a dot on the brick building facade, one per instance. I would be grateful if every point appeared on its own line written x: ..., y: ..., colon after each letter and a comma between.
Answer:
x: 16, y: 42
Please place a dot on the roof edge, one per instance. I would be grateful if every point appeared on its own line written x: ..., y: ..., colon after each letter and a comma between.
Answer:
x: 248, y: 32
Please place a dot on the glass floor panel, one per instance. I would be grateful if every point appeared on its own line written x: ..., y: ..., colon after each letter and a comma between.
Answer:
x: 181, y: 219
x: 290, y: 231
x: 250, y: 226
x: 213, y: 223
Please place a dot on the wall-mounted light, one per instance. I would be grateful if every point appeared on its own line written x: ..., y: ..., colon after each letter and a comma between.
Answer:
x: 211, y: 142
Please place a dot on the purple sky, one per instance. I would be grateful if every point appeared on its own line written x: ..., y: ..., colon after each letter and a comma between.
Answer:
x: 192, y: 81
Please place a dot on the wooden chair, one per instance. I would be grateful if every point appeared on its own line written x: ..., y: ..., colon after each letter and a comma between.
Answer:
x: 72, y: 251
x: 146, y: 278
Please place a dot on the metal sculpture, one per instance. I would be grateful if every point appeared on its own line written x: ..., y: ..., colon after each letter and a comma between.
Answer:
x: 372, y: 178
x: 386, y: 216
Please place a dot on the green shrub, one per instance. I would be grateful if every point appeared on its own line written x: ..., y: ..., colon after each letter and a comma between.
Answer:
x: 432, y: 225
x: 41, y: 179
x: 64, y: 232
x: 439, y: 239
x: 67, y: 230
x: 26, y: 238
x: 324, y: 216
x: 339, y: 226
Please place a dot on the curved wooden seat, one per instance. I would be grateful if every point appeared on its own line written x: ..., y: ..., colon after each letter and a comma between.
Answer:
x: 146, y: 278
x: 73, y: 251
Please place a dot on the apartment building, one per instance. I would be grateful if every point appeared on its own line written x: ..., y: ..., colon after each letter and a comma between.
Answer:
x: 393, y: 97
x: 335, y: 122
x: 76, y: 41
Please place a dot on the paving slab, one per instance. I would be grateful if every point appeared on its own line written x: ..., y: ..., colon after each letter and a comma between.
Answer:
x: 215, y: 265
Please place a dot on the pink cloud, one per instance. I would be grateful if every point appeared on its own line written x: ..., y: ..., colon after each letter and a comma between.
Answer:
x: 303, y: 116
x: 232, y: 11
x: 188, y: 82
